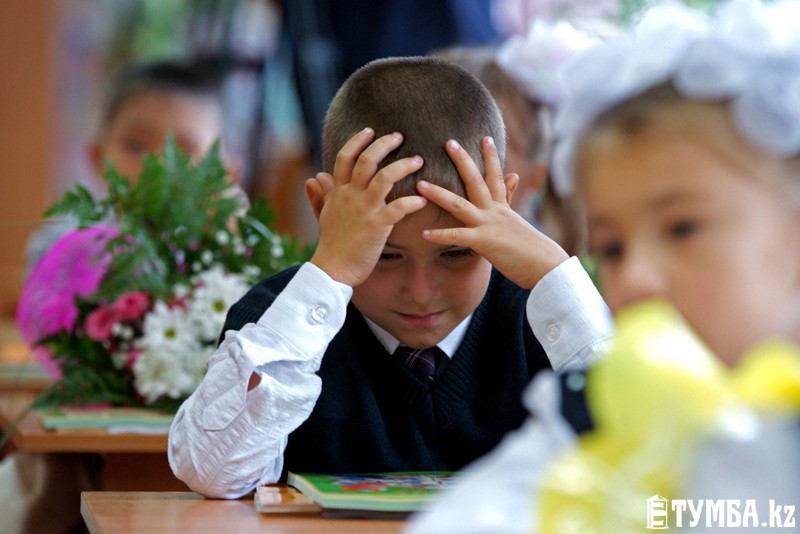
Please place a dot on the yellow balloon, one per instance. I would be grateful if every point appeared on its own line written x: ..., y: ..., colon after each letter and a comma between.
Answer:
x: 655, y: 395
x: 656, y: 369
x: 768, y: 376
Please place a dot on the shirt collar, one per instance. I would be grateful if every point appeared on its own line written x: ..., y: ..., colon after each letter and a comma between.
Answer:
x: 449, y: 345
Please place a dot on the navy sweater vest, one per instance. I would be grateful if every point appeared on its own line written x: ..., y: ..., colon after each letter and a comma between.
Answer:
x: 374, y: 415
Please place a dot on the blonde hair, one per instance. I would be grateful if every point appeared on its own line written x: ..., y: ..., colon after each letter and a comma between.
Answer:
x: 663, y: 106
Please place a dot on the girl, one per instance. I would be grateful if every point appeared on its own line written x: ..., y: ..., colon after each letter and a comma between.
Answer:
x: 682, y: 139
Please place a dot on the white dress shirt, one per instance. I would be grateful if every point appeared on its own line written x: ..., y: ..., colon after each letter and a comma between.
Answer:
x: 226, y: 440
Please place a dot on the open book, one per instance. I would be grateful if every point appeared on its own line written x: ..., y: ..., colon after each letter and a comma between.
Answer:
x: 398, y: 493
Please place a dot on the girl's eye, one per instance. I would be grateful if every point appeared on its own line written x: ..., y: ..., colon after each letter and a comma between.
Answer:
x: 683, y: 228
x: 457, y: 254
x: 609, y: 252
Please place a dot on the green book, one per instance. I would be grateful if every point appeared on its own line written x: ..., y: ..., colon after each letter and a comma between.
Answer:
x: 135, y: 420
x: 378, y: 492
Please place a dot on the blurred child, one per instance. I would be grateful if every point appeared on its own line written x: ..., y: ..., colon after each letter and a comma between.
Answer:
x: 683, y: 142
x: 145, y: 102
x: 523, y: 77
x: 309, y: 375
x: 41, y: 492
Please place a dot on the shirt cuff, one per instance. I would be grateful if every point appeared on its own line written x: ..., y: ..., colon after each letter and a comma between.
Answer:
x: 309, y: 311
x: 569, y: 317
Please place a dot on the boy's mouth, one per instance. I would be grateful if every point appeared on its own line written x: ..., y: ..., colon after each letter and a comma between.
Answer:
x: 420, y: 320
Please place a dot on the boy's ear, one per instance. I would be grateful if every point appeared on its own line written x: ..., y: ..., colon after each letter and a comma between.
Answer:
x: 233, y: 165
x: 511, y: 181
x: 96, y: 155
x: 316, y: 196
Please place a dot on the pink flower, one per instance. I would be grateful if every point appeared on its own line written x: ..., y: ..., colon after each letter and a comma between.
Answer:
x: 131, y: 305
x: 72, y: 267
x: 100, y: 323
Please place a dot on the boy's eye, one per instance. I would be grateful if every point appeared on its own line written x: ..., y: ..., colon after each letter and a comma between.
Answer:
x: 389, y: 256
x: 457, y: 254
x: 136, y: 146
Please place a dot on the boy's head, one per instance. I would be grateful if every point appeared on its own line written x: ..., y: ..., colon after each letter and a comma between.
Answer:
x: 418, y: 292
x: 426, y: 99
x: 146, y: 102
x: 690, y: 181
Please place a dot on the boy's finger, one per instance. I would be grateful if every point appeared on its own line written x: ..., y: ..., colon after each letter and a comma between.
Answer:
x: 348, y: 155
x: 459, y: 237
x: 493, y: 170
x: 474, y: 183
x: 458, y: 206
x: 400, y: 207
x: 367, y: 164
x: 382, y: 183
x: 325, y: 181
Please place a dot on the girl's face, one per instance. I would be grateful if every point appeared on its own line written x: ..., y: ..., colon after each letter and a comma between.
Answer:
x: 670, y: 216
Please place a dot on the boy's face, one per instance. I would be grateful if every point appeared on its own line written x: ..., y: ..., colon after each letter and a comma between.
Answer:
x: 142, y: 123
x: 671, y: 217
x: 419, y: 292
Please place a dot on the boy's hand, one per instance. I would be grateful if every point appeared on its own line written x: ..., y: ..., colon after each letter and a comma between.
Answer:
x: 491, y: 228
x: 354, y: 219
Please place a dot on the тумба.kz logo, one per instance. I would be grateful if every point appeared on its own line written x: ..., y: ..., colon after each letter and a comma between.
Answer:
x: 734, y: 513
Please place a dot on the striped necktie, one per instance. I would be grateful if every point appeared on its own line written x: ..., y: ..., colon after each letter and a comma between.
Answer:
x: 423, y: 362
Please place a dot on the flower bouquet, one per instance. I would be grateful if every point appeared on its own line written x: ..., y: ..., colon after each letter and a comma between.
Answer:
x: 126, y: 309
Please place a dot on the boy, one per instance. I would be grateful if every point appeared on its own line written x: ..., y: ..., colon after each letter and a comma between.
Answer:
x: 305, y: 378
x: 145, y: 103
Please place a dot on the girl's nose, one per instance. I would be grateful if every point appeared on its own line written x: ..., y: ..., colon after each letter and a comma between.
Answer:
x: 639, y: 277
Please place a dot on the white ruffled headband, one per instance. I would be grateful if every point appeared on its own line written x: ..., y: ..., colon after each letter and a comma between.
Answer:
x: 536, y: 59
x: 747, y: 53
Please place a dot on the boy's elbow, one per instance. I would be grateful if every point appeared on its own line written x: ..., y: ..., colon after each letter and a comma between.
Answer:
x: 202, y: 481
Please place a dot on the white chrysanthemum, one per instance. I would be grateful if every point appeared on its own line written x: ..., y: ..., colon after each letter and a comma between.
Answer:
x: 217, y: 291
x: 168, y: 328
x: 166, y: 373
x: 173, y: 358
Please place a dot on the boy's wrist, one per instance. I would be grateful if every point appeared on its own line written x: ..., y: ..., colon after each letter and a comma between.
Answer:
x: 334, y: 271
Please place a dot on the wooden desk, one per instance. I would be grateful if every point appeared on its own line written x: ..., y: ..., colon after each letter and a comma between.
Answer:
x: 185, y: 513
x: 133, y: 462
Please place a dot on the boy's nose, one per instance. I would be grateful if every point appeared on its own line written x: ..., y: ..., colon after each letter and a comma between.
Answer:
x: 421, y: 284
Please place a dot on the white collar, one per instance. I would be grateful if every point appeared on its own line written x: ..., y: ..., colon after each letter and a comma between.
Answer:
x: 449, y: 345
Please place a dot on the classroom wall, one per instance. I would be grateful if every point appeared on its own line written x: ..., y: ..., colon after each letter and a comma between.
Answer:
x: 26, y: 133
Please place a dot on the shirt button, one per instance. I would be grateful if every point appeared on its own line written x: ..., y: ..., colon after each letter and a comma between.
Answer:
x: 552, y: 333
x: 319, y: 313
x: 575, y: 381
